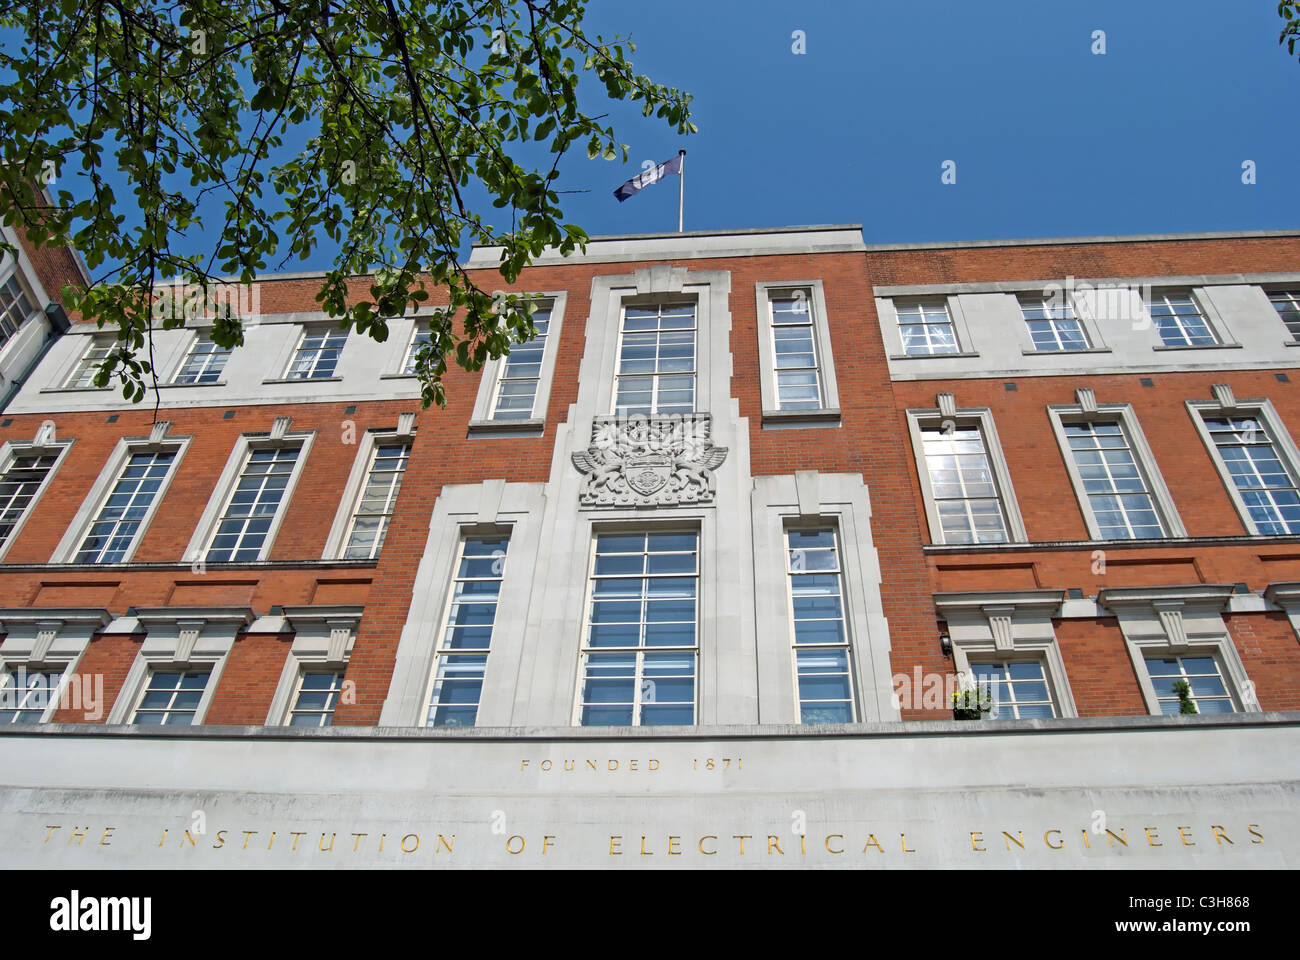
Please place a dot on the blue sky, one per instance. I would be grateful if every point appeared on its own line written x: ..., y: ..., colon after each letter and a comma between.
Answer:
x: 1048, y: 138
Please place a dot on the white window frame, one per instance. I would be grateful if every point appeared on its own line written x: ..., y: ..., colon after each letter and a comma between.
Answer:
x: 1214, y: 321
x: 206, y: 529
x: 85, y: 363
x: 982, y: 417
x: 828, y: 410
x: 177, y: 639
x: 337, y: 541
x: 1291, y: 293
x: 201, y: 334
x: 1121, y: 413
x: 419, y: 325
x: 158, y: 442
x: 323, y: 638
x: 1039, y: 299
x: 440, y: 652
x: 1009, y: 626
x: 43, y: 444
x: 697, y: 654
x: 1179, y: 621
x: 808, y: 524
x: 9, y: 271
x: 887, y: 310
x: 1225, y: 405
x: 50, y: 639
x: 315, y: 329
x: 482, y: 420
x: 647, y: 302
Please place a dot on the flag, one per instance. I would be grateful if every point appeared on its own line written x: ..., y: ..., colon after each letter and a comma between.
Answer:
x: 653, y: 175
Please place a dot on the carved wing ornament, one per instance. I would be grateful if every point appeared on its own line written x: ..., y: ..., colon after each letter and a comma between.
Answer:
x: 640, y: 460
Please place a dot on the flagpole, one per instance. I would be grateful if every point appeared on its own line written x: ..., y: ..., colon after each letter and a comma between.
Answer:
x: 681, y: 187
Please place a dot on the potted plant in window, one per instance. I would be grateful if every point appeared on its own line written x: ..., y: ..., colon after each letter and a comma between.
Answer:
x: 1185, y: 702
x: 972, y: 703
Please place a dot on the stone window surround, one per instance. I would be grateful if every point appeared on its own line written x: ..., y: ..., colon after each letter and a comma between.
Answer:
x: 63, y: 382
x: 1179, y: 621
x: 492, y: 507
x: 1225, y: 404
x: 49, y: 638
x: 323, y: 639
x: 782, y: 503
x: 481, y: 421
x: 652, y: 524
x: 404, y: 432
x: 828, y: 413
x: 206, y: 528
x: 289, y: 352
x: 1286, y: 596
x: 1011, y: 625
x: 177, y: 638
x: 1088, y: 410
x: 1213, y: 318
x: 43, y: 443
x: 893, y: 333
x: 9, y: 265
x: 158, y: 441
x: 946, y: 411
x: 200, y: 327
x: 1081, y: 314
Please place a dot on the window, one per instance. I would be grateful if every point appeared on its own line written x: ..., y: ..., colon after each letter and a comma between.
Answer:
x: 318, y: 694
x: 1053, y: 325
x: 171, y: 697
x: 1267, y: 489
x: 204, y: 363
x: 1018, y: 688
x: 1121, y: 502
x: 419, y: 337
x: 120, y: 518
x: 639, y: 642
x: 18, y: 487
x: 1287, y: 305
x: 15, y: 307
x: 461, y: 657
x: 794, y: 349
x: 656, y: 360
x: 317, y: 355
x: 1208, y: 690
x: 25, y: 695
x: 1179, y: 321
x: 927, y: 327
x: 374, y: 509
x: 83, y: 376
x: 521, y: 372
x: 242, y: 529
x: 823, y: 678
x: 962, y: 485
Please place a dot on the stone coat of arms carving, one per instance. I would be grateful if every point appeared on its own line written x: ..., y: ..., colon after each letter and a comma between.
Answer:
x: 660, y: 460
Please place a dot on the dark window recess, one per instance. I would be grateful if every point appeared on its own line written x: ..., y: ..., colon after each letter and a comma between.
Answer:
x: 348, y: 410
x: 1075, y: 593
x: 228, y: 415
x: 1010, y: 386
x: 1282, y: 378
x: 1147, y: 382
x: 113, y: 418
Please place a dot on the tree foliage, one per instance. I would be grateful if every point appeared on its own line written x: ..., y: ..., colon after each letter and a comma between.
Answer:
x: 404, y: 106
x: 1289, y: 11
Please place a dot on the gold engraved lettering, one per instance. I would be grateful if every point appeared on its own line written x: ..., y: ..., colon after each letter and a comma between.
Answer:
x: 1054, y: 846
x: 221, y: 839
x: 613, y: 842
x: 1250, y: 827
x: 321, y: 845
x: 296, y: 834
x: 357, y: 842
x: 742, y: 838
x: 1219, y: 832
x: 1152, y: 837
x: 774, y: 842
x: 872, y: 842
x: 834, y: 836
x: 108, y: 834
x: 1183, y: 837
x: 976, y: 837
x: 59, y: 826
x: 408, y: 837
x: 1009, y: 839
x: 672, y: 842
x: 903, y: 838
x: 707, y: 853
x: 252, y: 833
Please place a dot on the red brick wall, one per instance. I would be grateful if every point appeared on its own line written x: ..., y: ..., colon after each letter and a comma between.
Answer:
x: 249, y: 679
x: 109, y: 656
x: 1099, y: 668
x: 1270, y: 653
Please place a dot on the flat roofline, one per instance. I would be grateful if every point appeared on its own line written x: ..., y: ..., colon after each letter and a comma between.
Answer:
x: 868, y: 248
x: 1066, y: 241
